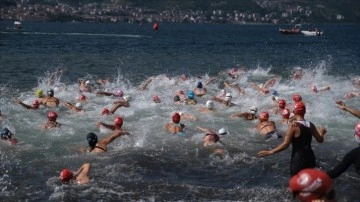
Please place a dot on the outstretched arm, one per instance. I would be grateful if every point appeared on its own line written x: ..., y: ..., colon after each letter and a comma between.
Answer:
x: 85, y: 169
x: 284, y: 145
x: 23, y: 104
x: 113, y: 136
x: 352, y: 111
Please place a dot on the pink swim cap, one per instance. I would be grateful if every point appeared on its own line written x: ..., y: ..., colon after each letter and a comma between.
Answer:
x: 118, y: 121
x: 119, y: 93
x: 264, y: 116
x: 52, y: 116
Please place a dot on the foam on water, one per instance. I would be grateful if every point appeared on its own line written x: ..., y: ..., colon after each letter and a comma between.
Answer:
x: 150, y: 160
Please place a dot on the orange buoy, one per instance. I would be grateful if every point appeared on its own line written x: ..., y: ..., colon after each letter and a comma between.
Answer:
x: 155, y: 26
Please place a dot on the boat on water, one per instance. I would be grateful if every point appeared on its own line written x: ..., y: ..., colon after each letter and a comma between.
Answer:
x: 315, y: 32
x: 18, y: 25
x: 294, y: 30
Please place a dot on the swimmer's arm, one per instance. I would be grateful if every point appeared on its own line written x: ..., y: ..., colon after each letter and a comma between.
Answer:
x: 108, y: 126
x: 113, y: 136
x: 210, y: 80
x: 348, y: 109
x: 104, y: 93
x: 318, y: 133
x: 85, y: 169
x: 23, y: 104
x: 205, y: 130
x: 284, y: 145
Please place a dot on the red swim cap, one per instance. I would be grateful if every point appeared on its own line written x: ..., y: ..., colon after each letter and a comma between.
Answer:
x: 357, y: 129
x: 105, y: 112
x: 282, y: 104
x: 118, y: 121
x: 82, y: 98
x: 309, y: 184
x: 285, y: 114
x: 299, y: 108
x: 52, y: 116
x: 176, y: 117
x: 66, y: 175
x: 156, y: 99
x: 36, y: 103
x: 264, y: 116
x: 296, y: 98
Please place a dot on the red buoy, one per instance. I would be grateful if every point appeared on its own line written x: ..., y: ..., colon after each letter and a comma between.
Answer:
x: 155, y: 26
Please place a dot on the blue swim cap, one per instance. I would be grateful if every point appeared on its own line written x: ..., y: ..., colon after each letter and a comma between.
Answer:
x: 5, y: 133
x: 190, y: 94
x: 92, y: 139
x: 199, y: 85
x: 275, y: 93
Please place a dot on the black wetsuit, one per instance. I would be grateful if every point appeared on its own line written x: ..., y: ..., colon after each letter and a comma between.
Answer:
x: 352, y: 157
x: 302, y: 155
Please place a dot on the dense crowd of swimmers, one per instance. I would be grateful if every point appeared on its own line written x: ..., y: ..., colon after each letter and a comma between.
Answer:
x: 307, y: 182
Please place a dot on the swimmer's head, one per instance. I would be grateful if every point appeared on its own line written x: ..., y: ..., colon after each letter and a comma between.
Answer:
x: 253, y: 110
x: 199, y: 84
x: 228, y: 97
x: 176, y: 117
x: 222, y: 93
x: 39, y: 93
x: 209, y: 104
x: 212, y: 137
x: 50, y: 92
x: 314, y: 89
x: 127, y: 98
x: 265, y: 90
x: 310, y: 184
x: 180, y: 92
x: 52, y: 116
x: 299, y: 109
x: 222, y: 131
x: 264, y: 116
x: 357, y: 133
x: 296, y: 98
x: 105, y: 111
x: 92, y: 139
x: 282, y: 103
x: 5, y: 133
x: 190, y: 95
x: 87, y: 82
x: 156, y: 99
x: 82, y: 98
x: 78, y: 105
x: 36, y: 104
x: 285, y: 114
x: 275, y: 93
x: 66, y: 175
x: 119, y: 93
x: 177, y: 98
x: 118, y: 121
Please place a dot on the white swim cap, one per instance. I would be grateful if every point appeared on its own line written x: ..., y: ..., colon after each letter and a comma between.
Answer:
x: 253, y: 109
x: 228, y: 97
x: 261, y: 85
x: 222, y: 131
x: 87, y: 82
x: 78, y: 105
x: 209, y: 104
x: 127, y: 98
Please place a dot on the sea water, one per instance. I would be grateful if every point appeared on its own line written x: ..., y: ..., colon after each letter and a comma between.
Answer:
x: 150, y: 164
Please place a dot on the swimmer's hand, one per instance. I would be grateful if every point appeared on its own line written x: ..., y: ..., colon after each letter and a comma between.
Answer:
x: 341, y: 104
x: 264, y: 153
x: 322, y: 130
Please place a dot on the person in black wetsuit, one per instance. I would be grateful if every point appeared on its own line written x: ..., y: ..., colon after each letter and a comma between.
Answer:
x: 99, y: 147
x: 299, y: 134
x: 352, y: 157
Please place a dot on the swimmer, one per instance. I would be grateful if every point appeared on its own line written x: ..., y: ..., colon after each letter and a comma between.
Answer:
x: 34, y: 106
x: 314, y: 89
x: 51, y: 123
x: 281, y: 106
x: 145, y: 84
x: 312, y: 185
x: 352, y: 111
x: 260, y: 88
x: 6, y: 135
x: 297, y: 75
x: 183, y: 77
x: 285, y: 116
x: 177, y: 100
x: 186, y: 116
x: 225, y: 101
x: 124, y: 102
x: 85, y: 86
x: 81, y: 176
x: 212, y: 141
x: 271, y: 82
x: 118, y: 122
x: 209, y: 107
x: 267, y: 128
x: 190, y: 98
x: 156, y: 99
x: 234, y: 86
x: 352, y: 157
x: 200, y: 90
x: 250, y: 115
x: 50, y: 100
x: 299, y: 134
x: 81, y: 98
x: 351, y: 95
x: 96, y: 146
x: 118, y: 93
x: 175, y: 126
x: 296, y: 98
x: 74, y: 107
